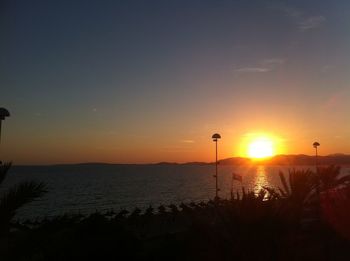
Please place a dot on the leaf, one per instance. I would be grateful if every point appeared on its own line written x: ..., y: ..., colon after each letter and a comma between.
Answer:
x: 343, y: 180
x: 18, y: 196
x: 272, y: 192
x: 261, y: 194
x: 284, y: 182
x: 283, y: 193
x: 4, y: 168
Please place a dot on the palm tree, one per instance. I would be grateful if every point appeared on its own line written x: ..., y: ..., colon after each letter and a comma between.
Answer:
x: 301, y: 183
x: 17, y: 196
x: 329, y: 177
x: 295, y: 193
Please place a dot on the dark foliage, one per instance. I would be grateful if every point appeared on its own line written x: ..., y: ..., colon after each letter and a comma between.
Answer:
x: 16, y: 197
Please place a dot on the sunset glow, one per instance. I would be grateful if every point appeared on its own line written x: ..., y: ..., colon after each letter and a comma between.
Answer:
x: 261, y: 148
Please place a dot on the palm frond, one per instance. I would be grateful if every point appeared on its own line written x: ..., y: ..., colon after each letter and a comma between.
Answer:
x: 343, y: 180
x: 328, y: 177
x: 284, y: 182
x: 292, y: 180
x: 272, y: 192
x: 18, y: 196
x: 283, y: 193
x: 4, y: 168
x: 261, y: 194
x: 302, y: 184
x: 243, y: 192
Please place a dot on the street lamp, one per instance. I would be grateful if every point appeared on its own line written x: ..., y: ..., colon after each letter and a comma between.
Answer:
x: 215, y: 138
x: 315, y: 145
x: 3, y: 114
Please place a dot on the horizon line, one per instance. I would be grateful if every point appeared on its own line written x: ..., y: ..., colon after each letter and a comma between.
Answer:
x: 177, y: 163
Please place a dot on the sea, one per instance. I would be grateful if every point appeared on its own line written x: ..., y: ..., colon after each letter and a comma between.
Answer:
x: 86, y: 188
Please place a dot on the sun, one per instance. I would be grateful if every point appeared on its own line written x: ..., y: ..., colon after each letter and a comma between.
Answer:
x: 260, y: 148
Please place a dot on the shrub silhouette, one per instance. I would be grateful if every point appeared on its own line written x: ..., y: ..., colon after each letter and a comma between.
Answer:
x: 16, y: 197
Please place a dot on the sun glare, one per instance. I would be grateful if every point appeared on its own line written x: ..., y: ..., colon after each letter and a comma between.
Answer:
x: 261, y: 148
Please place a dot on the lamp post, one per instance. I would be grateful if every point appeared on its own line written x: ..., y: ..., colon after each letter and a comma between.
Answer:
x: 3, y: 114
x: 215, y: 138
x: 315, y: 145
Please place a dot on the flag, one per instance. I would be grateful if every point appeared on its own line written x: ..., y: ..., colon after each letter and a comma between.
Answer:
x: 236, y: 177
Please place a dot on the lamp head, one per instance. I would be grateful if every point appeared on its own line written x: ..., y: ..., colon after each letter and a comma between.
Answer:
x: 316, y: 144
x: 216, y: 136
x: 4, y: 113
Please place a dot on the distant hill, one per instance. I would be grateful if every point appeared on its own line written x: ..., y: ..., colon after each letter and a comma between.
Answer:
x: 301, y: 159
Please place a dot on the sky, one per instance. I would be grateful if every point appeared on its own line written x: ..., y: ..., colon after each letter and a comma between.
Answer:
x: 151, y: 81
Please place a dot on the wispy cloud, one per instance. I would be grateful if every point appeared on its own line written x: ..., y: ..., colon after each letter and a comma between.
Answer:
x: 303, y: 21
x: 273, y: 61
x: 252, y: 70
x: 311, y: 22
x: 264, y: 66
x: 336, y: 100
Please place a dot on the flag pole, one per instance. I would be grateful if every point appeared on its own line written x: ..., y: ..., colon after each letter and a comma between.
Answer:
x: 232, y: 186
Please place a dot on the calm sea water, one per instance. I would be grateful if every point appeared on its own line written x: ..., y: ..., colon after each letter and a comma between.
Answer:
x: 87, y: 188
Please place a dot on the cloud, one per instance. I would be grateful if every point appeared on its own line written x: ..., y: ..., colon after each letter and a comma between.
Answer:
x: 311, y: 23
x: 264, y: 66
x: 303, y: 21
x: 253, y: 70
x: 336, y: 100
x: 273, y: 61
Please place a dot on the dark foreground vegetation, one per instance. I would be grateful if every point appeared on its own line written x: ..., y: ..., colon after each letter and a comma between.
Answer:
x: 308, y: 218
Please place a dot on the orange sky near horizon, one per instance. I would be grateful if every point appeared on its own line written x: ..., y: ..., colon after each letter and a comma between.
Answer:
x: 45, y: 148
x: 173, y: 135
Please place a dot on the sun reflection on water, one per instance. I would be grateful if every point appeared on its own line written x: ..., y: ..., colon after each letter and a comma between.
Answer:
x: 260, y: 180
